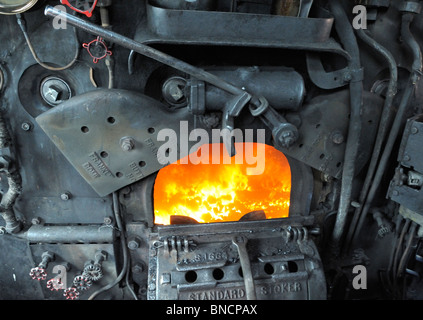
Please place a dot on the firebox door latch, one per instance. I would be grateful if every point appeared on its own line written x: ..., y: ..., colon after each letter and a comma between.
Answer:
x: 241, y: 243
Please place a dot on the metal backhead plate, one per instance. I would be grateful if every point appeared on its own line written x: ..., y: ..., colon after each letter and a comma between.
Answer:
x: 110, y: 136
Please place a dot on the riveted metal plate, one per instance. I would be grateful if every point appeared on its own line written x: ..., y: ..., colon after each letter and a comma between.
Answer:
x: 92, y: 129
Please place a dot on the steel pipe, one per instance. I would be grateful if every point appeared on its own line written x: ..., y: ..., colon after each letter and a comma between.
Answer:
x: 70, y: 234
x: 143, y: 49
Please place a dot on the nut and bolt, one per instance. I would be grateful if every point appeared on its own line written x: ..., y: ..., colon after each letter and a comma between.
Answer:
x: 65, y: 196
x: 134, y: 243
x: 36, y: 221
x: 138, y: 268
x: 286, y: 135
x: 108, y: 220
x: 26, y: 126
x: 127, y: 143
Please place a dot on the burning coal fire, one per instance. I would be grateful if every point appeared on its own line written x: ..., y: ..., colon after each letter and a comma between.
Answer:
x: 219, y: 188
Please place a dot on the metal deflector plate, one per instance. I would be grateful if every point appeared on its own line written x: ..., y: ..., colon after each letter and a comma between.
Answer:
x: 88, y: 130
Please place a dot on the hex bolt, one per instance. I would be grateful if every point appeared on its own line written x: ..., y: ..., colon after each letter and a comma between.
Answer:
x: 36, y: 220
x: 26, y: 126
x: 134, y: 243
x: 108, y: 220
x: 65, y: 196
x: 138, y: 268
x: 127, y: 143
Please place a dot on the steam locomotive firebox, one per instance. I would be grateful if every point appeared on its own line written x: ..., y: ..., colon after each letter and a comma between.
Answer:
x: 248, y: 258
x: 210, y: 149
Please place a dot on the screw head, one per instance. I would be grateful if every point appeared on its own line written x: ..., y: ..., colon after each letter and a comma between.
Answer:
x: 338, y: 138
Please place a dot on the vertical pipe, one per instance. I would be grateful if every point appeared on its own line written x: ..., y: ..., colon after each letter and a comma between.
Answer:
x: 349, y: 41
x: 415, y: 76
x: 384, y: 125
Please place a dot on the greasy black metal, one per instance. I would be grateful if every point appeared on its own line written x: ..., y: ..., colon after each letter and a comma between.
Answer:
x: 347, y: 36
x: 88, y: 130
x: 313, y: 35
x: 415, y: 76
x: 326, y: 79
x: 410, y: 159
x: 384, y: 124
x: 70, y: 259
x: 318, y: 145
x: 227, y: 26
x: 208, y: 5
x: 285, y: 134
x: 283, y: 88
x: 142, y: 49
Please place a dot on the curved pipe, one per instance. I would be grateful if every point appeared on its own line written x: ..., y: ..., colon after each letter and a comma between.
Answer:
x: 349, y: 41
x: 384, y: 124
x: 415, y: 75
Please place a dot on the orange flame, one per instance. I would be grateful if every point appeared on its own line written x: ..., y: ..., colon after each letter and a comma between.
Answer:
x: 198, y: 188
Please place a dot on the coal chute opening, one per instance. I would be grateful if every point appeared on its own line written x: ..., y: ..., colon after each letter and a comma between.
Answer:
x: 213, y: 187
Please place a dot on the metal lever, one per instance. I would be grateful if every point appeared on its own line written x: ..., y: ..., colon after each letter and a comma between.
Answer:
x: 284, y: 133
x: 232, y: 109
x: 241, y: 243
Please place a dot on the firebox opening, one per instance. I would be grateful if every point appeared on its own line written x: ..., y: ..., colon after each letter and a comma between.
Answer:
x: 209, y: 186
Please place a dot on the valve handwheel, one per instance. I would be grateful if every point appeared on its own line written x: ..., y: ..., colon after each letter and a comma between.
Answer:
x: 38, y: 273
x: 71, y: 293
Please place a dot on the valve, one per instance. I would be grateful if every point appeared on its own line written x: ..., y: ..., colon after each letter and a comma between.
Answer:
x: 71, y: 293
x: 54, y: 284
x: 39, y: 273
x: 93, y: 269
x: 97, y: 49
x: 83, y: 7
x: 82, y: 282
